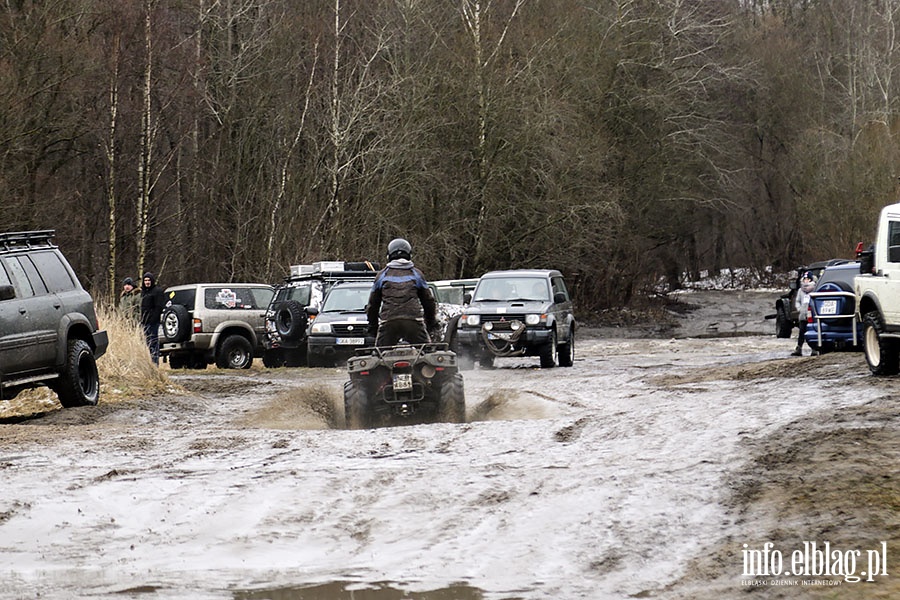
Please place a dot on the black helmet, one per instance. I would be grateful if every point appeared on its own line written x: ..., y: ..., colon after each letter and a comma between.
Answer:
x: 399, y: 248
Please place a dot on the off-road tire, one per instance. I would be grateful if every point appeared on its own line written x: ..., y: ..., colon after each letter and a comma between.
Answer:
x: 783, y: 325
x: 452, y: 401
x: 356, y: 407
x: 450, y: 334
x: 295, y: 357
x: 176, y: 323
x: 882, y: 354
x: 566, y: 352
x: 548, y: 352
x: 179, y: 361
x: 79, y: 382
x: 290, y: 320
x: 235, y: 352
x: 273, y: 359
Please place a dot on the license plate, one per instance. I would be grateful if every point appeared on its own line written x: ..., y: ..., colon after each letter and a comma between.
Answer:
x: 828, y: 307
x: 350, y: 341
x: 403, y: 381
x: 499, y: 336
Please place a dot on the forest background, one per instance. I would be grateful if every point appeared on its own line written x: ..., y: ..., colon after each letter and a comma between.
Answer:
x: 621, y: 141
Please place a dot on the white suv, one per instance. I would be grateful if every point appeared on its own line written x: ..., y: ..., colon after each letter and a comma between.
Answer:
x: 221, y: 323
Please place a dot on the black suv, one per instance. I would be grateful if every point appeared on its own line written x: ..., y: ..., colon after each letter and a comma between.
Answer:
x: 526, y: 312
x: 340, y: 326
x: 287, y: 318
x: 49, y: 333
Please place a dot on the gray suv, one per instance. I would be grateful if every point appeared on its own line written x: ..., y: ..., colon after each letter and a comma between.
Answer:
x: 526, y: 312
x: 221, y: 323
x: 49, y: 333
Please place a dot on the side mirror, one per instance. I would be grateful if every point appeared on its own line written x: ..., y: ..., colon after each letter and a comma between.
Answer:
x: 559, y: 298
x: 312, y: 310
x: 467, y: 297
x: 7, y: 292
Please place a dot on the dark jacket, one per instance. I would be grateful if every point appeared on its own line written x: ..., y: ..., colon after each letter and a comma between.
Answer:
x: 153, y: 300
x: 401, y: 292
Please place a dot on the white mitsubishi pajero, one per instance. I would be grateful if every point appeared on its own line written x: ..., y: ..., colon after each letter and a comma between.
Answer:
x: 877, y: 290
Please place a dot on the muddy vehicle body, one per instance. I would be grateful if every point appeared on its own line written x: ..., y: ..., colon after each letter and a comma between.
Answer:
x: 403, y: 384
x: 525, y: 312
x: 288, y: 315
x: 49, y: 333
x: 221, y: 323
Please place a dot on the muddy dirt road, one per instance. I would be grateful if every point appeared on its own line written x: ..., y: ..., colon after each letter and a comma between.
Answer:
x: 640, y: 472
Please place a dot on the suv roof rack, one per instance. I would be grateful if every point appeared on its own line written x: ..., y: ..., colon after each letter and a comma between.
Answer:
x: 332, y: 270
x: 26, y: 239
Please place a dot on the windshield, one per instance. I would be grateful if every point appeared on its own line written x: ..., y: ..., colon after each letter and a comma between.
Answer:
x: 504, y: 289
x: 346, y: 299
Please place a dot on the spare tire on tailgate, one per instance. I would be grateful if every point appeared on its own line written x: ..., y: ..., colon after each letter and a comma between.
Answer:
x: 290, y: 320
x: 176, y: 323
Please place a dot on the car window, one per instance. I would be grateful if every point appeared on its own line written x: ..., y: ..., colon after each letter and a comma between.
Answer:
x: 449, y: 295
x: 299, y: 293
x: 511, y: 288
x: 894, y: 241
x: 839, y: 276
x: 228, y: 298
x: 53, y: 271
x: 559, y: 286
x: 19, y: 279
x: 183, y: 297
x: 261, y: 296
x: 346, y: 299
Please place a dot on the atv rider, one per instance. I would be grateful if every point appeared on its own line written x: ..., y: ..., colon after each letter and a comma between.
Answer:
x: 401, y: 305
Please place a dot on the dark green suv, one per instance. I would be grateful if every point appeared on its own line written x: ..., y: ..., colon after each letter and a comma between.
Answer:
x: 49, y: 333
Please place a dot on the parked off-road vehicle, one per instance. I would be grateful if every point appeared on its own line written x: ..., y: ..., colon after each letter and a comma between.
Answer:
x: 340, y: 326
x: 450, y: 295
x: 786, y: 315
x: 287, y: 319
x: 49, y: 334
x: 403, y: 384
x: 518, y: 313
x: 221, y: 323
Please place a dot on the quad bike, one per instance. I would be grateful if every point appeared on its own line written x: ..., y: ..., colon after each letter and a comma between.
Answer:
x: 403, y: 384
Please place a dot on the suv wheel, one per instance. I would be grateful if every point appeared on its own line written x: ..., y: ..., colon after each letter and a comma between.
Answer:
x: 290, y: 320
x: 235, y: 353
x: 548, y: 352
x: 882, y: 355
x: 79, y: 383
x: 566, y: 352
x: 176, y: 323
x: 273, y: 358
x: 783, y: 325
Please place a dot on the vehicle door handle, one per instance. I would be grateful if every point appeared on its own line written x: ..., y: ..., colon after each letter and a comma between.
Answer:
x: 57, y: 305
x: 22, y: 310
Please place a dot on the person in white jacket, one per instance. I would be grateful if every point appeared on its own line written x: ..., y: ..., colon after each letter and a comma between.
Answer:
x: 801, y: 302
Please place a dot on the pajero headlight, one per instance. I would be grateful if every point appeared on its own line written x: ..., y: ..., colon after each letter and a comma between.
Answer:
x: 321, y: 328
x: 532, y: 319
x: 473, y: 320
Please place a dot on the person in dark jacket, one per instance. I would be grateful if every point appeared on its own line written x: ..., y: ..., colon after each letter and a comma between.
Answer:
x: 152, y: 303
x: 401, y: 305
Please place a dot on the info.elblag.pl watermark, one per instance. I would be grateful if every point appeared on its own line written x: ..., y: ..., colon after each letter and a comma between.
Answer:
x: 818, y: 564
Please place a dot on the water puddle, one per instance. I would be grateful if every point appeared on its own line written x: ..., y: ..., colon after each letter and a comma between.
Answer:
x: 345, y: 590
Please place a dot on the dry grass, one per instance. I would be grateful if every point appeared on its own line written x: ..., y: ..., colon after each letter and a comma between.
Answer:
x: 126, y: 371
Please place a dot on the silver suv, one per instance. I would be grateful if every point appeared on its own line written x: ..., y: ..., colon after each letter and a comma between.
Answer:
x: 49, y: 333
x: 221, y: 323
